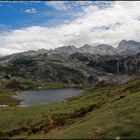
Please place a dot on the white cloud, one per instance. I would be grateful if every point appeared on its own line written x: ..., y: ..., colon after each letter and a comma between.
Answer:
x: 31, y: 11
x: 66, y: 5
x: 88, y: 27
x: 58, y: 5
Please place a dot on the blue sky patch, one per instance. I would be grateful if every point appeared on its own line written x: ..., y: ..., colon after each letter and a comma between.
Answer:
x: 16, y: 15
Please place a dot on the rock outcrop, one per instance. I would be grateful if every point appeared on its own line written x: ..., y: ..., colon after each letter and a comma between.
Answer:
x: 130, y: 65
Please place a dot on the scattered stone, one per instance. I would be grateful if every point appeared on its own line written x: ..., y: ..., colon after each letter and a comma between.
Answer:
x: 4, y: 105
x: 117, y: 138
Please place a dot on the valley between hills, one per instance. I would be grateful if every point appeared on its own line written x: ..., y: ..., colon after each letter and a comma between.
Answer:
x: 108, y: 108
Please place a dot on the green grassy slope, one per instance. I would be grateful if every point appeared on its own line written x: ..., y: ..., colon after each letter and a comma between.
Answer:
x: 5, y: 98
x: 104, y: 112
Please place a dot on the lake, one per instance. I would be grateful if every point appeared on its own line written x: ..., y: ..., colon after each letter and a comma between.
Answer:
x: 36, y: 97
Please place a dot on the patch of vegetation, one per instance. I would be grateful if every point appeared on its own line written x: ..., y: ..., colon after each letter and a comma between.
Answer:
x: 20, y: 84
x: 55, y: 85
x: 5, y: 98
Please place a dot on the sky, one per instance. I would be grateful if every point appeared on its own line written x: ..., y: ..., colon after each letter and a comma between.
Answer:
x: 28, y: 25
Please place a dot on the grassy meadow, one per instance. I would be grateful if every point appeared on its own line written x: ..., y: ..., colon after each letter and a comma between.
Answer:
x: 101, y: 112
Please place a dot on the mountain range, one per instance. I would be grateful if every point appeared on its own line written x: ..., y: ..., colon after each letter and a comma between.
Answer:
x: 68, y: 64
x: 124, y: 48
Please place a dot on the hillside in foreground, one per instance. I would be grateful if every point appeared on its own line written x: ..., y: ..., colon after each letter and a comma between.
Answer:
x: 104, y: 112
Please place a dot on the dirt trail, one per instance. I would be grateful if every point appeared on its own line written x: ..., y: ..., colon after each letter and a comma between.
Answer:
x: 50, y: 120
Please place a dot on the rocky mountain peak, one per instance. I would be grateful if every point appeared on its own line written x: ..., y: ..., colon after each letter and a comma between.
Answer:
x: 122, y: 42
x: 104, y: 46
x: 86, y: 46
x: 129, y: 43
x: 129, y: 47
x: 66, y: 49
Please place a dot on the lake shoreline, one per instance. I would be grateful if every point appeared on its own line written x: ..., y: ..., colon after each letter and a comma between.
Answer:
x: 80, y: 86
x: 46, y: 96
x: 50, y: 86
